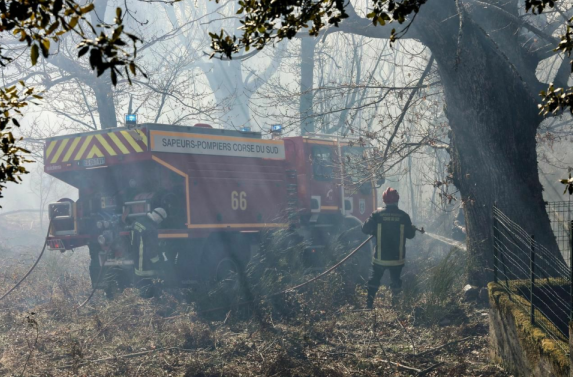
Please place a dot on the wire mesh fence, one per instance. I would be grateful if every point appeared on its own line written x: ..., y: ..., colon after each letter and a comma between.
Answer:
x: 535, y: 277
x: 560, y: 217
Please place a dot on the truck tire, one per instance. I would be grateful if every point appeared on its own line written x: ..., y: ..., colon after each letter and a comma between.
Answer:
x: 222, y: 255
x: 224, y: 262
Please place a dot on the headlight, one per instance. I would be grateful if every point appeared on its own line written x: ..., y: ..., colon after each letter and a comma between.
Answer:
x: 101, y: 239
x: 106, y: 224
x: 99, y: 225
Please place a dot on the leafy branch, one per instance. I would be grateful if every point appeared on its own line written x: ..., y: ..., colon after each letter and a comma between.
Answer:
x: 568, y: 185
x: 12, y: 101
x: 269, y: 21
x: 38, y: 23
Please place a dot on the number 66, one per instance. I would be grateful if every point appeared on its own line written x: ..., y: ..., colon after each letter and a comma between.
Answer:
x: 239, y: 200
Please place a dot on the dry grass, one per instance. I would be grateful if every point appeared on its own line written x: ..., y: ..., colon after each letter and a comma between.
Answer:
x: 317, y: 332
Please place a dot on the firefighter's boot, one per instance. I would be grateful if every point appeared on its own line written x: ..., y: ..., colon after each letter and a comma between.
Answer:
x: 370, y: 299
x: 370, y: 303
x: 396, y: 295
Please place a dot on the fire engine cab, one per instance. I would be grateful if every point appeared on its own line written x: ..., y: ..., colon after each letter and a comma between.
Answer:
x: 221, y: 189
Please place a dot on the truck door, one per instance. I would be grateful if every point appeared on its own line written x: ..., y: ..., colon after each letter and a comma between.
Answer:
x: 360, y: 193
x: 325, y: 197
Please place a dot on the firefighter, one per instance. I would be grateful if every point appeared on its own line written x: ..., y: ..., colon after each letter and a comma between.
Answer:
x: 390, y: 226
x: 145, y: 245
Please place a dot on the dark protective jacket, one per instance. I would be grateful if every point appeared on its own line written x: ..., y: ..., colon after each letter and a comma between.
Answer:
x: 391, y: 226
x: 145, y: 246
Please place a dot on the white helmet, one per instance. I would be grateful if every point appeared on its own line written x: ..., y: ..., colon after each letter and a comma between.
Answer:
x: 157, y: 215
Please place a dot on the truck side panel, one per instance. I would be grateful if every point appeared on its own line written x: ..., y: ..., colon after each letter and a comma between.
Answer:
x: 230, y: 192
x: 83, y: 151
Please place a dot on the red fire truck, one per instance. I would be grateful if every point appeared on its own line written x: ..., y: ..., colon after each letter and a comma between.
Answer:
x: 221, y: 189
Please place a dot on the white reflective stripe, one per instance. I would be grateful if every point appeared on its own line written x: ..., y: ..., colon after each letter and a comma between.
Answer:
x: 155, y: 260
x: 402, y: 238
x: 140, y: 254
x: 116, y: 262
x: 144, y: 273
x: 379, y: 241
x: 389, y: 262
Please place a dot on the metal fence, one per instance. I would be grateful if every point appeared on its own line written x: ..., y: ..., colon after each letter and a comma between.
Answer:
x: 560, y: 217
x: 535, y: 277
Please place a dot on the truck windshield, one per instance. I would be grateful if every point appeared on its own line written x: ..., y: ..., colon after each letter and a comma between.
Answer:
x: 322, y: 163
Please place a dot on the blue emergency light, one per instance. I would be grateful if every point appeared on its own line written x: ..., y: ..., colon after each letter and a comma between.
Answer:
x: 246, y: 129
x: 276, y: 128
x: 131, y: 118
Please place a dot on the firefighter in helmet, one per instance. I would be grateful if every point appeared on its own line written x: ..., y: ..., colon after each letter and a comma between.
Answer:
x: 390, y: 226
x: 145, y: 245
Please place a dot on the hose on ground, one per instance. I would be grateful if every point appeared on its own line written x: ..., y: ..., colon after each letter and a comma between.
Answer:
x: 33, y: 266
x: 296, y: 287
x: 36, y: 263
x: 327, y: 271
x: 100, y: 274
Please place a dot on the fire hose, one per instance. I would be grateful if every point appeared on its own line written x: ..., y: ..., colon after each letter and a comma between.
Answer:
x: 327, y: 271
x: 290, y: 289
x: 94, y: 289
x: 33, y: 266
x: 296, y: 287
x: 36, y: 263
x: 421, y: 230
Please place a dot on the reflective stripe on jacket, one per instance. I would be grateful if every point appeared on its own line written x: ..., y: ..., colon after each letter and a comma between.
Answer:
x: 391, y: 226
x: 144, y: 241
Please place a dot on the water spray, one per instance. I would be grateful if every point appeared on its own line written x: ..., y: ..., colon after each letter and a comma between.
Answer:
x: 448, y: 241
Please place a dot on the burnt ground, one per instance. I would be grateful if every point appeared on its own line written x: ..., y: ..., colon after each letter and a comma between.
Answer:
x: 43, y: 334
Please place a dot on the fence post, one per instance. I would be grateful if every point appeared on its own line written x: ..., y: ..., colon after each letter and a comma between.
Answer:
x: 532, y: 273
x: 495, y: 238
x: 571, y: 269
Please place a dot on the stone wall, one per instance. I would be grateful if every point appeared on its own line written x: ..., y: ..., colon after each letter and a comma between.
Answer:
x: 521, y: 348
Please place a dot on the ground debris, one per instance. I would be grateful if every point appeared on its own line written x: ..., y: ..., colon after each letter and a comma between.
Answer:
x: 132, y: 336
x: 347, y: 343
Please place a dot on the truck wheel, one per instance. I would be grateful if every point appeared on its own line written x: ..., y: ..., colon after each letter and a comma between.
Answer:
x: 222, y: 255
x: 226, y: 268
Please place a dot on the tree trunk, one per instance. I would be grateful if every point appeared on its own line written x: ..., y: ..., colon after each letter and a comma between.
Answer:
x: 494, y: 120
x: 106, y: 107
x: 306, y: 84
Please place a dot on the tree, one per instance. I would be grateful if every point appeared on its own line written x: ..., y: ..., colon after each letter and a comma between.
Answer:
x: 80, y: 102
x: 37, y: 24
x: 359, y: 87
x: 487, y: 56
x: 183, y: 85
x: 232, y: 81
